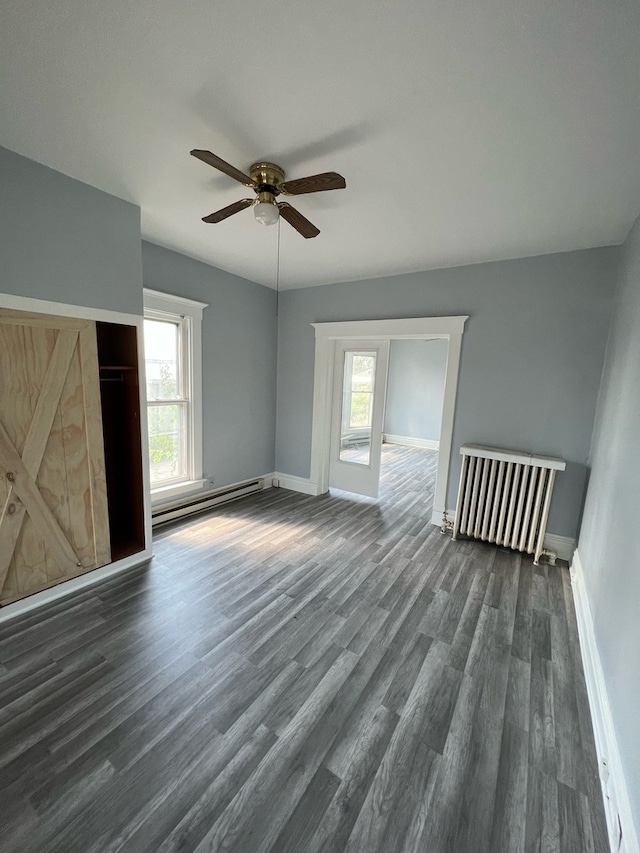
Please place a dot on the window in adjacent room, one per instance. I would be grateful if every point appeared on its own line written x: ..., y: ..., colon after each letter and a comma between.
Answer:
x: 361, y: 370
x: 173, y: 366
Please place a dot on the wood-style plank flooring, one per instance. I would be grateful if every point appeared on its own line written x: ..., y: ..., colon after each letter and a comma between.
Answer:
x: 304, y: 674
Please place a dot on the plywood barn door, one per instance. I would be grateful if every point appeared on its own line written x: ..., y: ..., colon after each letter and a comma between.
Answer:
x: 54, y: 521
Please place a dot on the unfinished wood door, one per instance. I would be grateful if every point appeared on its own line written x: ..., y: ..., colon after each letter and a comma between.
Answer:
x: 53, y: 498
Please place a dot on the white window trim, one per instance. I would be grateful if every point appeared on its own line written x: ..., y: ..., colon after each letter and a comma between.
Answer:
x: 158, y: 303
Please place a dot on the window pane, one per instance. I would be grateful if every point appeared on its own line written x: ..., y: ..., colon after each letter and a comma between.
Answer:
x: 357, y: 405
x: 167, y: 443
x: 362, y: 376
x: 161, y: 359
x: 361, y: 410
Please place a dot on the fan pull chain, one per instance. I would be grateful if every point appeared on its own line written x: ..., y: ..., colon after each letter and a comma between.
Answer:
x: 277, y: 297
x: 278, y: 269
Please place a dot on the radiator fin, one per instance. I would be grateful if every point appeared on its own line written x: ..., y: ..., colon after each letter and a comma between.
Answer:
x: 504, y: 497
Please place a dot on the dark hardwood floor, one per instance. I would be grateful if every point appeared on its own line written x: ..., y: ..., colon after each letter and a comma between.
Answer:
x: 304, y: 674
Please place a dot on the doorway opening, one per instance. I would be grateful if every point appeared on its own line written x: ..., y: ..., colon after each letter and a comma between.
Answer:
x: 408, y: 477
x: 332, y: 339
x: 413, y: 418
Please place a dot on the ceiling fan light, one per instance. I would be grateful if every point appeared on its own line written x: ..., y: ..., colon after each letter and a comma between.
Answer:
x: 266, y: 212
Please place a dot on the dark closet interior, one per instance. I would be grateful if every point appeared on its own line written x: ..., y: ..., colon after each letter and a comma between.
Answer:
x: 120, y: 398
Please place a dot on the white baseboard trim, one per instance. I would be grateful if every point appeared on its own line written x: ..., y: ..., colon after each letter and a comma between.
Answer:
x: 425, y: 443
x: 562, y: 546
x: 620, y: 824
x: 62, y: 590
x: 296, y: 484
x: 437, y: 516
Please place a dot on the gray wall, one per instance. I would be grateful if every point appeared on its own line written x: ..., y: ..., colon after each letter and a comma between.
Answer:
x: 531, y: 360
x: 238, y: 361
x: 415, y: 388
x: 609, y: 544
x: 66, y: 241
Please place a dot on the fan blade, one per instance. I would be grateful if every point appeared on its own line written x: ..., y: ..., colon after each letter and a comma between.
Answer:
x: 315, y: 184
x: 299, y: 222
x: 222, y: 166
x: 236, y: 207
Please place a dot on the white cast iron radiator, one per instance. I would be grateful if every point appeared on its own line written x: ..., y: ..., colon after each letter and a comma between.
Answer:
x: 504, y: 497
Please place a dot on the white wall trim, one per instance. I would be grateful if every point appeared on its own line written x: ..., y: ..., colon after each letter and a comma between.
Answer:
x: 405, y: 327
x: 614, y: 788
x: 438, y: 514
x: 190, y: 312
x: 62, y: 309
x: 408, y: 441
x: 304, y: 485
x: 168, y: 301
x: 448, y: 328
x: 564, y: 546
x: 66, y: 588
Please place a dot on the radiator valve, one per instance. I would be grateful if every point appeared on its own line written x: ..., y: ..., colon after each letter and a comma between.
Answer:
x: 550, y: 555
x: 446, y: 525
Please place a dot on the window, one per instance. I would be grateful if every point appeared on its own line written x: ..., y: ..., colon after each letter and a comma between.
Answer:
x: 173, y: 366
x: 357, y: 406
x: 361, y: 367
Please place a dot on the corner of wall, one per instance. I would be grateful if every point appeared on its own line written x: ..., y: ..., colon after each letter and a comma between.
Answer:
x: 620, y: 824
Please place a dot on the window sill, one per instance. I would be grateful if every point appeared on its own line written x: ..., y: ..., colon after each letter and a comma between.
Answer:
x: 165, y: 493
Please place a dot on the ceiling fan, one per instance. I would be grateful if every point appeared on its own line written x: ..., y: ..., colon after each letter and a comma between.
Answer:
x: 268, y: 181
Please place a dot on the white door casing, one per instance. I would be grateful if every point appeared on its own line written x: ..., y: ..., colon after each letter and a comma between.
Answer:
x: 447, y: 328
x: 359, y: 473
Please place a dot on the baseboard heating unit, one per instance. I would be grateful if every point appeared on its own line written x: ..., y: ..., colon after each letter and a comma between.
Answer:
x: 504, y: 497
x: 191, y: 505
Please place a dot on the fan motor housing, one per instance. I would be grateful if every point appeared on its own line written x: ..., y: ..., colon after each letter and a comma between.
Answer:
x: 268, y: 177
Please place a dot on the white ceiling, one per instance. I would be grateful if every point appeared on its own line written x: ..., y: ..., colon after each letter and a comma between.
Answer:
x: 467, y: 130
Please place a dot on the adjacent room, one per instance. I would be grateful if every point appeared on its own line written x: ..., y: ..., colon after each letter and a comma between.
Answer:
x: 318, y: 520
